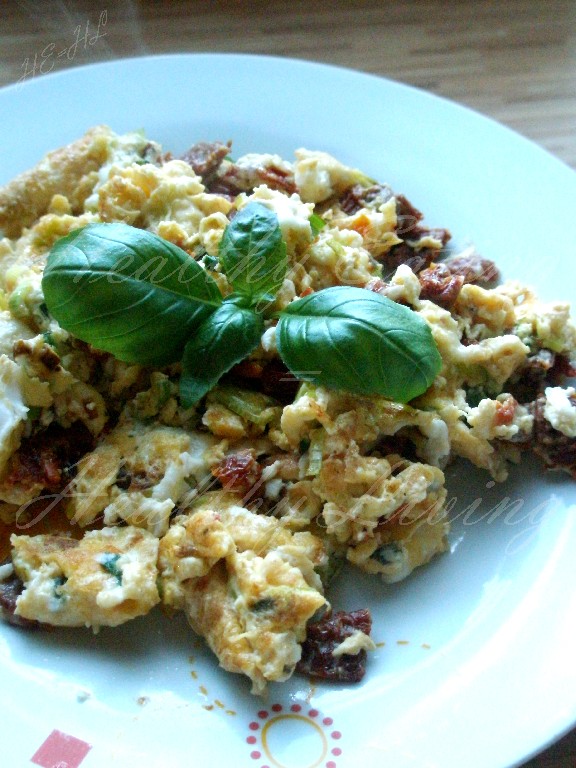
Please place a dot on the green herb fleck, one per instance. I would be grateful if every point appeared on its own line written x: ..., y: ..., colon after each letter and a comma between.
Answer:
x: 57, y: 585
x: 474, y: 395
x: 265, y: 604
x: 388, y: 554
x: 34, y: 412
x: 210, y: 262
x: 109, y: 561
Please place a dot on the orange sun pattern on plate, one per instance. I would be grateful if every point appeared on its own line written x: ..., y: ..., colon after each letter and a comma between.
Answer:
x: 310, y: 727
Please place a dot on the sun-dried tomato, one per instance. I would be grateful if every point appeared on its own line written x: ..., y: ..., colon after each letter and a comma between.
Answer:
x: 322, y: 639
x: 241, y: 473
x: 439, y: 285
x: 48, y: 457
x: 10, y: 590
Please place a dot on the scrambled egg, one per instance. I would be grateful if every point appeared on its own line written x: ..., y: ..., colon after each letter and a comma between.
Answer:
x: 238, y: 510
x: 137, y: 474
x: 105, y: 579
x: 247, y: 584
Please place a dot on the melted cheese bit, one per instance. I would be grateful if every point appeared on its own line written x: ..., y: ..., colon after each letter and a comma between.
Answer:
x: 559, y: 409
x: 352, y: 645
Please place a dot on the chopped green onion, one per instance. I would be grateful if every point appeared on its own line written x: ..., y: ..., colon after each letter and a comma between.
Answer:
x: 306, y: 388
x: 316, y: 451
x: 252, y: 406
x: 317, y: 224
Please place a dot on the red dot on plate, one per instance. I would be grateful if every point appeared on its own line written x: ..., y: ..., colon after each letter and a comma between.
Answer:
x: 330, y: 764
x: 336, y: 735
x: 255, y: 755
x: 327, y: 721
x: 275, y: 708
x: 253, y: 726
x: 263, y: 714
x: 336, y: 751
x: 313, y: 713
x: 251, y: 739
x: 295, y: 707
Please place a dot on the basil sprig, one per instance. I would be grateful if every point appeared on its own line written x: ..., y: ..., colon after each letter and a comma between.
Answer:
x: 253, y: 255
x: 131, y: 293
x: 354, y: 339
x: 128, y: 292
x: 224, y: 339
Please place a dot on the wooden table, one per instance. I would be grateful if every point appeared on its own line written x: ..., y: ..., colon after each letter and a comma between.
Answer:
x: 514, y: 60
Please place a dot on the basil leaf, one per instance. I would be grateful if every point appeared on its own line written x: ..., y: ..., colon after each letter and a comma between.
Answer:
x: 127, y: 291
x: 224, y: 339
x: 252, y: 253
x: 352, y: 339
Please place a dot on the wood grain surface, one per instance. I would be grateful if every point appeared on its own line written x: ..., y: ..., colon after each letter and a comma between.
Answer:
x: 514, y: 60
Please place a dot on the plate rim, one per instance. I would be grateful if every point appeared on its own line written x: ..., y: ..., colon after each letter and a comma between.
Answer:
x: 157, y: 59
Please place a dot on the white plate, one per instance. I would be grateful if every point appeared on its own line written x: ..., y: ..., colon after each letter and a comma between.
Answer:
x: 478, y: 664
